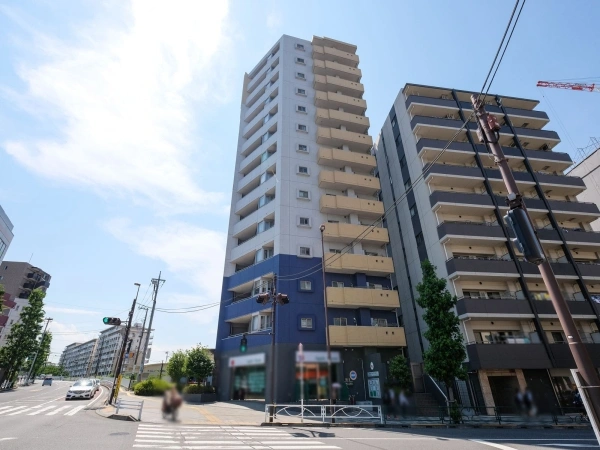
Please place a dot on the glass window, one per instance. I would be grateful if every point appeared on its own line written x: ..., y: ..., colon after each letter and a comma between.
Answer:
x: 301, y: 127
x: 306, y: 322
x: 300, y: 60
x: 394, y: 122
x: 413, y: 210
x: 305, y: 221
x: 379, y: 322
x: 303, y: 194
x: 305, y: 251
x: 407, y: 184
x: 301, y: 108
x: 300, y: 75
x: 339, y: 284
x: 300, y: 91
x: 558, y: 337
x: 334, y: 250
x: 305, y: 285
x: 403, y: 161
x: 303, y: 148
x: 299, y: 46
x: 340, y: 321
x: 302, y: 169
x: 419, y: 238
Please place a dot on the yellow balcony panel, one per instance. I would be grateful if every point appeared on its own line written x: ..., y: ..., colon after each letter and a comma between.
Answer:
x: 335, y: 84
x: 337, y: 158
x: 333, y: 54
x: 337, y: 70
x: 342, y: 205
x: 356, y: 336
x: 332, y: 100
x: 324, y: 41
x: 361, y: 184
x: 347, y: 232
x: 353, y: 298
x: 336, y: 138
x: 351, y: 264
x: 333, y: 118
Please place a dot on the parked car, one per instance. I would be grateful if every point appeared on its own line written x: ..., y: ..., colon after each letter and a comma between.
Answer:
x: 84, y: 388
x: 47, y: 381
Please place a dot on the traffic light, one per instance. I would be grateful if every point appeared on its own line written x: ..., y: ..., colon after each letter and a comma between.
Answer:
x: 283, y: 299
x: 263, y: 298
x: 526, y: 241
x: 111, y: 321
x: 243, y: 344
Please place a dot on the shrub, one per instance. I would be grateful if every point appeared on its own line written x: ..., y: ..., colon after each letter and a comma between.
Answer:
x: 196, y: 389
x: 152, y: 386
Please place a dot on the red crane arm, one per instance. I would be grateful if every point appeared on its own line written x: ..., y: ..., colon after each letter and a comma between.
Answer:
x: 572, y: 86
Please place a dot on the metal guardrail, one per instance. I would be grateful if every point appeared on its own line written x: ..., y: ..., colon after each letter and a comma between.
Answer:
x: 509, y: 415
x: 130, y: 404
x: 325, y: 412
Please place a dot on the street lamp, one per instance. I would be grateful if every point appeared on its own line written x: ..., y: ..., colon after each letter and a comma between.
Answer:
x: 322, y: 228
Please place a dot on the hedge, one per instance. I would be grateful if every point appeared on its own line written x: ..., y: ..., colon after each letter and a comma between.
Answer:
x: 196, y: 389
x: 153, y: 386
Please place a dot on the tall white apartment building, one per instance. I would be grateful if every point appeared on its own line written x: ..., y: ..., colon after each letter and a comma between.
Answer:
x: 304, y: 159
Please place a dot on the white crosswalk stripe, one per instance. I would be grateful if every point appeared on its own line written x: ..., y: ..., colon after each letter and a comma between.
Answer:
x: 200, y: 437
x: 41, y: 410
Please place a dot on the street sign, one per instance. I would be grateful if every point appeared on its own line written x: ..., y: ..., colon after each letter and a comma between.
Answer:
x: 353, y: 375
x: 373, y: 374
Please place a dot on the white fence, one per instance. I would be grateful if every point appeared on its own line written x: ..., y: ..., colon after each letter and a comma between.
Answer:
x: 325, y: 412
x: 129, y: 404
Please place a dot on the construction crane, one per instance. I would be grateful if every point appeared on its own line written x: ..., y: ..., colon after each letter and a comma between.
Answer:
x: 572, y: 86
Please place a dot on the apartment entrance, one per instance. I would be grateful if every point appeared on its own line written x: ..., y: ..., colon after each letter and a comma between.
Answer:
x: 503, y: 390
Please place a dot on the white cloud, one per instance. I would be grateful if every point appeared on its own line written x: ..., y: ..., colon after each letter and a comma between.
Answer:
x: 65, y: 334
x: 56, y: 309
x: 123, y: 97
x: 193, y: 253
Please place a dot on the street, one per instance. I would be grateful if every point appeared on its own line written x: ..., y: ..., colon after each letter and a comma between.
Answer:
x: 37, y: 417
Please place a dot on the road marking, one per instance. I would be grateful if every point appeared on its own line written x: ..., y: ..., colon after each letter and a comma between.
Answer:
x: 38, y: 411
x: 5, y: 407
x: 7, y: 439
x: 491, y: 444
x: 571, y: 445
x: 154, y: 440
x: 13, y: 409
x: 75, y: 410
x: 27, y: 409
x: 99, y: 397
x: 57, y: 410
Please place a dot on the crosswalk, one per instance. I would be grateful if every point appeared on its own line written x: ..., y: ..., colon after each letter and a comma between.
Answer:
x: 39, y: 410
x: 201, y: 437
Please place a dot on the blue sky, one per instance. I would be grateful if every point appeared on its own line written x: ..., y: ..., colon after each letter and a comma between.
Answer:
x: 119, y: 119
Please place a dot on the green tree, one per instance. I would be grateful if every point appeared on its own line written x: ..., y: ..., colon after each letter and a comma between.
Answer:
x: 22, y: 340
x: 446, y: 353
x: 200, y: 363
x: 43, y: 353
x: 176, y: 367
x: 54, y: 370
x: 400, y: 372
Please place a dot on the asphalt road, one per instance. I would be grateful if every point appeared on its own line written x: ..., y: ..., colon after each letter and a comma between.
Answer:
x: 37, y: 417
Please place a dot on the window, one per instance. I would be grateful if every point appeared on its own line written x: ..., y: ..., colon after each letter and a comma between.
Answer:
x: 407, y: 185
x: 557, y: 337
x: 339, y: 284
x: 300, y: 60
x: 300, y: 91
x: 374, y: 286
x: 299, y: 47
x: 300, y: 127
x: 379, y: 322
x: 306, y: 322
x: 304, y: 221
x: 335, y: 250
x: 300, y: 75
x: 413, y: 210
x: 305, y: 251
x: 303, y: 195
x: 302, y: 148
x: 340, y: 321
x: 305, y: 285
x: 301, y: 109
x: 303, y: 170
x: 403, y: 161
x: 394, y: 122
x: 419, y: 238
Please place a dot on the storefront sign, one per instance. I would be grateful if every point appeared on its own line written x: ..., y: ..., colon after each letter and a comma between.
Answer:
x: 374, y: 389
x: 256, y: 359
x: 372, y: 374
x: 318, y: 357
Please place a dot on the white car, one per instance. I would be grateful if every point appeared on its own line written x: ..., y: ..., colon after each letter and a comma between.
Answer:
x: 82, y: 389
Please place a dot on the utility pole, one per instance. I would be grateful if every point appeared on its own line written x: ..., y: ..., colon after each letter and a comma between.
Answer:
x: 532, y: 250
x: 157, y: 283
x: 329, y: 385
x: 123, y: 347
x: 48, y: 320
x: 137, y: 353
x: 99, y: 354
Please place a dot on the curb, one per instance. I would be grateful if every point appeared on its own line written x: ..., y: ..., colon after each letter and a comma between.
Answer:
x: 424, y: 425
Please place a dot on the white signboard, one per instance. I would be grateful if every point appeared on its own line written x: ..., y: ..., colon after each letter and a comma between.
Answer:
x: 256, y: 359
x: 318, y: 357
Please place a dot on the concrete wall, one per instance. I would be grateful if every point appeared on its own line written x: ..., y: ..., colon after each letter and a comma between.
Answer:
x: 589, y: 171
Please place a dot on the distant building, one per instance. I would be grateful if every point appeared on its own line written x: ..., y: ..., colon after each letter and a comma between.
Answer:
x: 77, y: 358
x: 588, y: 170
x: 6, y: 233
x: 19, y: 279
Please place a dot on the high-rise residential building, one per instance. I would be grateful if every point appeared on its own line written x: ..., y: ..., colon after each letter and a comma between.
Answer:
x: 304, y: 159
x: 454, y: 218
x: 6, y: 233
x: 588, y: 169
x: 76, y: 358
x: 19, y: 279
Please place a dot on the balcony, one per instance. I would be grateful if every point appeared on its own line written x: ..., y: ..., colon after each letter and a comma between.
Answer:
x: 564, y: 357
x: 257, y: 176
x: 257, y: 157
x: 336, y: 84
x: 249, y: 203
x: 262, y: 74
x: 507, y: 356
x: 557, y: 185
x: 322, y: 53
x: 361, y: 184
x: 268, y: 96
x: 252, y: 219
x: 483, y: 307
x: 470, y: 231
x: 341, y: 205
x: 332, y: 100
x: 354, y: 298
x: 355, y: 336
x: 265, y: 133
x: 328, y: 42
x: 447, y: 202
x: 573, y: 211
x: 349, y: 263
x: 346, y: 233
x: 481, y: 268
x: 332, y: 118
x: 453, y: 176
x: 577, y: 308
x: 337, y: 70
x: 333, y: 157
x: 336, y: 138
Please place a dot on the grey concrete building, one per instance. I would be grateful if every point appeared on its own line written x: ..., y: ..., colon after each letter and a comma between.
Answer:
x: 6, y: 233
x: 77, y: 358
x: 453, y: 217
x: 19, y: 279
x: 588, y: 169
